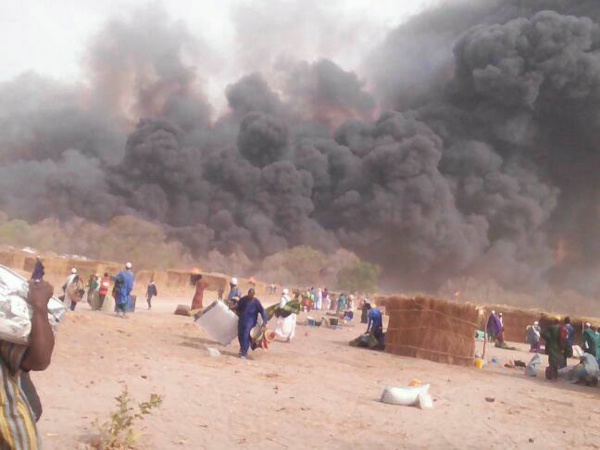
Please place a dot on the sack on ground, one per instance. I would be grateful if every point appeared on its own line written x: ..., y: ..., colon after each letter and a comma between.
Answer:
x: 407, y: 396
x: 531, y: 369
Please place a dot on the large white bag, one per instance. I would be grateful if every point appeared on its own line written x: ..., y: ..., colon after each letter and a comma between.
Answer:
x: 532, y: 366
x: 16, y: 313
x: 220, y: 322
x: 406, y: 396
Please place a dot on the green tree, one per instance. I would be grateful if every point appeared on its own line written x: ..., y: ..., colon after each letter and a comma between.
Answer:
x: 15, y: 232
x: 361, y: 276
x: 305, y: 264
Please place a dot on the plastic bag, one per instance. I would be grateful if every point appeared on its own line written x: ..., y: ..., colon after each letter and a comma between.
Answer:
x: 425, y: 401
x: 16, y: 313
x: 531, y: 369
x: 407, y: 396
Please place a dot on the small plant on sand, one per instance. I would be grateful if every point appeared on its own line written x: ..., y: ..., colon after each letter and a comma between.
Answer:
x: 118, y: 432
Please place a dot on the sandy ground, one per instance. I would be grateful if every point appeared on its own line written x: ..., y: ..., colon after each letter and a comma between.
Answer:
x: 316, y: 392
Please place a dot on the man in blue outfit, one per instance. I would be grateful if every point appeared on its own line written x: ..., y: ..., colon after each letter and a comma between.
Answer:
x: 122, y: 289
x: 569, y: 333
x: 248, y: 309
x: 375, y: 323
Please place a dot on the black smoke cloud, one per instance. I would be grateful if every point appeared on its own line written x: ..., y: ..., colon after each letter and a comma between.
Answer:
x: 484, y: 164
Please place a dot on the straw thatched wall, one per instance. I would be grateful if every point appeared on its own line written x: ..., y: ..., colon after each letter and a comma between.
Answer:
x: 516, y: 321
x: 380, y: 301
x: 432, y: 329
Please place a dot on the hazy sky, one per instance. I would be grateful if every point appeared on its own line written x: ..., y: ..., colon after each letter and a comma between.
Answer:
x: 50, y: 37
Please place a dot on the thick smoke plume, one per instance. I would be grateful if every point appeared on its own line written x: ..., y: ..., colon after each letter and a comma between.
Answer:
x: 473, y: 153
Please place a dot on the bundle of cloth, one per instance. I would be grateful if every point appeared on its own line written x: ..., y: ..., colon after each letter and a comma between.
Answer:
x: 289, y: 308
x: 586, y: 372
x: 285, y: 311
x: 368, y: 340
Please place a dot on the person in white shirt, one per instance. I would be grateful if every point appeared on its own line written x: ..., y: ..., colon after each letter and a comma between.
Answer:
x: 286, y: 326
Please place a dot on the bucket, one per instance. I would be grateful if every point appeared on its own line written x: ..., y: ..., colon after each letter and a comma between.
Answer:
x: 479, y: 363
x: 256, y: 333
x: 270, y: 335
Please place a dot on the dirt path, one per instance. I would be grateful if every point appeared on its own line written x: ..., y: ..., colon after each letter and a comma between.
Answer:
x: 316, y: 392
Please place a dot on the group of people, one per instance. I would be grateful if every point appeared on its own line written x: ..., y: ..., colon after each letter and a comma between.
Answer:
x: 313, y: 299
x: 249, y: 309
x: 97, y: 289
x: 559, y: 340
x: 318, y: 299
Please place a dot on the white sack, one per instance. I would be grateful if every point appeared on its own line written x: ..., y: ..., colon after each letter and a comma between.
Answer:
x: 16, y: 313
x: 403, y: 396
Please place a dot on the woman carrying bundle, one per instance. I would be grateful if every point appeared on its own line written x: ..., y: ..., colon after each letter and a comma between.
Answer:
x: 73, y: 289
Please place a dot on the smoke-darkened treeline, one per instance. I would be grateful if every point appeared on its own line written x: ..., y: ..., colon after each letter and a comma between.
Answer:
x: 468, y: 147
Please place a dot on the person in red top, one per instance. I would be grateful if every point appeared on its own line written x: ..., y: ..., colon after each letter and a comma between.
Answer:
x: 104, y: 286
x: 198, y: 299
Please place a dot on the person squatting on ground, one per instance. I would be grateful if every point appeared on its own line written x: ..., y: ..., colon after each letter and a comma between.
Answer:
x: 248, y: 309
x: 151, y: 291
x: 375, y: 323
x: 17, y: 421
x: 122, y: 290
